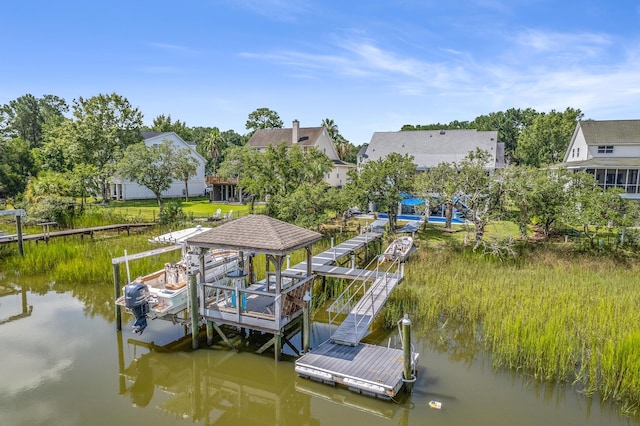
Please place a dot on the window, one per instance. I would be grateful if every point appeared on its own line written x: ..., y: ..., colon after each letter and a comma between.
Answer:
x: 573, y: 153
x: 605, y: 149
x: 578, y: 152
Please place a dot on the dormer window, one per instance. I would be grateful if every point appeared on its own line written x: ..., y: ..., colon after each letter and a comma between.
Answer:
x: 605, y: 149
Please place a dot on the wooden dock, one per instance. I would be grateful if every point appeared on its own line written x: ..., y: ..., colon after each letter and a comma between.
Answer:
x: 47, y: 235
x: 335, y: 253
x: 343, y: 360
x: 367, y: 369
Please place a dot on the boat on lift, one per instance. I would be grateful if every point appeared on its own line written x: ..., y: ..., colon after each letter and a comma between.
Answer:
x: 164, y: 292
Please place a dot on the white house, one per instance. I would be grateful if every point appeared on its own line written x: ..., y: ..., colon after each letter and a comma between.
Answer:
x: 127, y: 190
x: 432, y: 147
x: 305, y: 137
x: 610, y: 151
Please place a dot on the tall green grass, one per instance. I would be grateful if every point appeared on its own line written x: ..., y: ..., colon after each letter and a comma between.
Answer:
x: 554, y: 314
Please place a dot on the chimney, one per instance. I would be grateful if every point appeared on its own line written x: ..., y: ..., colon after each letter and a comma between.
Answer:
x: 294, y: 132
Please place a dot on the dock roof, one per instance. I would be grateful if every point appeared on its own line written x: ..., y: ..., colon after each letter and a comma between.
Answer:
x: 256, y: 233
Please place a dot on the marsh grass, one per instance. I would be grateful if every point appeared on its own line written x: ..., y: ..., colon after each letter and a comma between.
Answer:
x: 555, y: 314
x: 551, y: 312
x: 73, y: 261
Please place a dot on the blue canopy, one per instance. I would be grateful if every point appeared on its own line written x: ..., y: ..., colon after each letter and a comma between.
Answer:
x: 412, y: 201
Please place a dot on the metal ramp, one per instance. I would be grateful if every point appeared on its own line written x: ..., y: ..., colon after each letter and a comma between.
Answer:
x: 361, y: 311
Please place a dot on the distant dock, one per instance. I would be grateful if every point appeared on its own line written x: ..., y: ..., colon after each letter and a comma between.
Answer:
x: 47, y: 235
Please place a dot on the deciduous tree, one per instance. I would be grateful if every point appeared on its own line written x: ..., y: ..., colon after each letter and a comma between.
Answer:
x: 263, y: 118
x: 545, y: 141
x: 104, y: 126
x: 26, y: 117
x: 381, y: 182
x: 150, y: 166
x: 185, y: 167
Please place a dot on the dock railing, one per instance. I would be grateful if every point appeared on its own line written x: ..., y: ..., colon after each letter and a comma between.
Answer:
x: 350, y: 297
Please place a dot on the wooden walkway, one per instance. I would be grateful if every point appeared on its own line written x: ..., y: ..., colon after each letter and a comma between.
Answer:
x: 368, y: 369
x: 45, y: 236
x: 330, y: 256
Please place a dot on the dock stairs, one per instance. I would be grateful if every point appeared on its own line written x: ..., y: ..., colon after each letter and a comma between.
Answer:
x: 362, y: 300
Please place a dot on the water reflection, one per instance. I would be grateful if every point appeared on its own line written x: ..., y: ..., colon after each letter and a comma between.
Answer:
x: 9, y: 290
x: 214, y: 387
x: 227, y: 387
x: 62, y: 364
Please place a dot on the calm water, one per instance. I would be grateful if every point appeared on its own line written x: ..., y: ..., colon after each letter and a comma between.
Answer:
x: 63, y: 363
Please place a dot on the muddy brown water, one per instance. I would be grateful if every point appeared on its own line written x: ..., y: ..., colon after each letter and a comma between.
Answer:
x: 63, y: 363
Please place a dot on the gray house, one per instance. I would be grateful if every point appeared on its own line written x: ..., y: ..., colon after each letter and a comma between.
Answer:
x: 432, y: 147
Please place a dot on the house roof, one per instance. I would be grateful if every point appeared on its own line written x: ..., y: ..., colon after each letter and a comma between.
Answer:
x: 432, y: 147
x: 342, y: 163
x: 615, y: 132
x: 148, y: 135
x: 257, y: 233
x: 307, y: 136
x: 603, y: 163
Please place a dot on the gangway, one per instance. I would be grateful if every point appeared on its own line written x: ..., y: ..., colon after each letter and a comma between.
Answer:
x: 361, y: 311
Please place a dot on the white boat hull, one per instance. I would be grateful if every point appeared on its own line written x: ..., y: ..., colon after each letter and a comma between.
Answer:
x: 399, y: 249
x: 167, y: 287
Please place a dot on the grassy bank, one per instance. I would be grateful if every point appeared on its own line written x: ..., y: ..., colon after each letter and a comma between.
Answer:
x: 554, y: 314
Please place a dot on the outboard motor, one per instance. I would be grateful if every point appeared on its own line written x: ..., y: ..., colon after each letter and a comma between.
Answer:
x: 136, y: 297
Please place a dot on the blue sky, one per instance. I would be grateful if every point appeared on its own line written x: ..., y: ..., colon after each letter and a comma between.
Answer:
x: 368, y: 65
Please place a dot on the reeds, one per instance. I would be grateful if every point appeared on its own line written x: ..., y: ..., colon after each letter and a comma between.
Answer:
x: 558, y: 316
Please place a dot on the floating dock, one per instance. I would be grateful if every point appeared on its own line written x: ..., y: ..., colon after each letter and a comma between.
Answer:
x: 371, y: 370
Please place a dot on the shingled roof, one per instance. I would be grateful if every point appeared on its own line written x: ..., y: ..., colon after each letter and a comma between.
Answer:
x: 615, y: 132
x: 256, y: 233
x: 431, y: 147
x: 307, y: 136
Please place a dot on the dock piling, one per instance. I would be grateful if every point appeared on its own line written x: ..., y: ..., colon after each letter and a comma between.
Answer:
x: 306, y: 323
x: 193, y: 308
x: 408, y: 376
x: 116, y: 290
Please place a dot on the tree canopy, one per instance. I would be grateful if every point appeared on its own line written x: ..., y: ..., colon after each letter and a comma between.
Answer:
x: 263, y: 118
x: 149, y: 166
x: 104, y: 126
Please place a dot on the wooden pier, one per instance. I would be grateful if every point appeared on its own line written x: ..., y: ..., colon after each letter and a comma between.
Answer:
x: 47, y: 234
x: 343, y: 360
x: 278, y: 305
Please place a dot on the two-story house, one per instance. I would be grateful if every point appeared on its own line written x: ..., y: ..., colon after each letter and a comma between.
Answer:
x: 610, y: 151
x: 306, y: 138
x: 127, y: 190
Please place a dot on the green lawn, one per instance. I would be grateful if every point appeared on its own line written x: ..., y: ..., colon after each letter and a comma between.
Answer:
x: 198, y: 207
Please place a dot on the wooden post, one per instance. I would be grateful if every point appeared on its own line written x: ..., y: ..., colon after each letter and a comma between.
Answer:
x: 408, y: 377
x: 209, y: 333
x: 116, y: 290
x: 193, y: 306
x: 122, y: 382
x: 20, y: 242
x: 277, y: 345
x: 306, y: 323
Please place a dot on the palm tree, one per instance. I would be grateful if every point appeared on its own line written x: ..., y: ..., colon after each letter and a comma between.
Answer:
x: 214, y: 141
x: 332, y: 128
